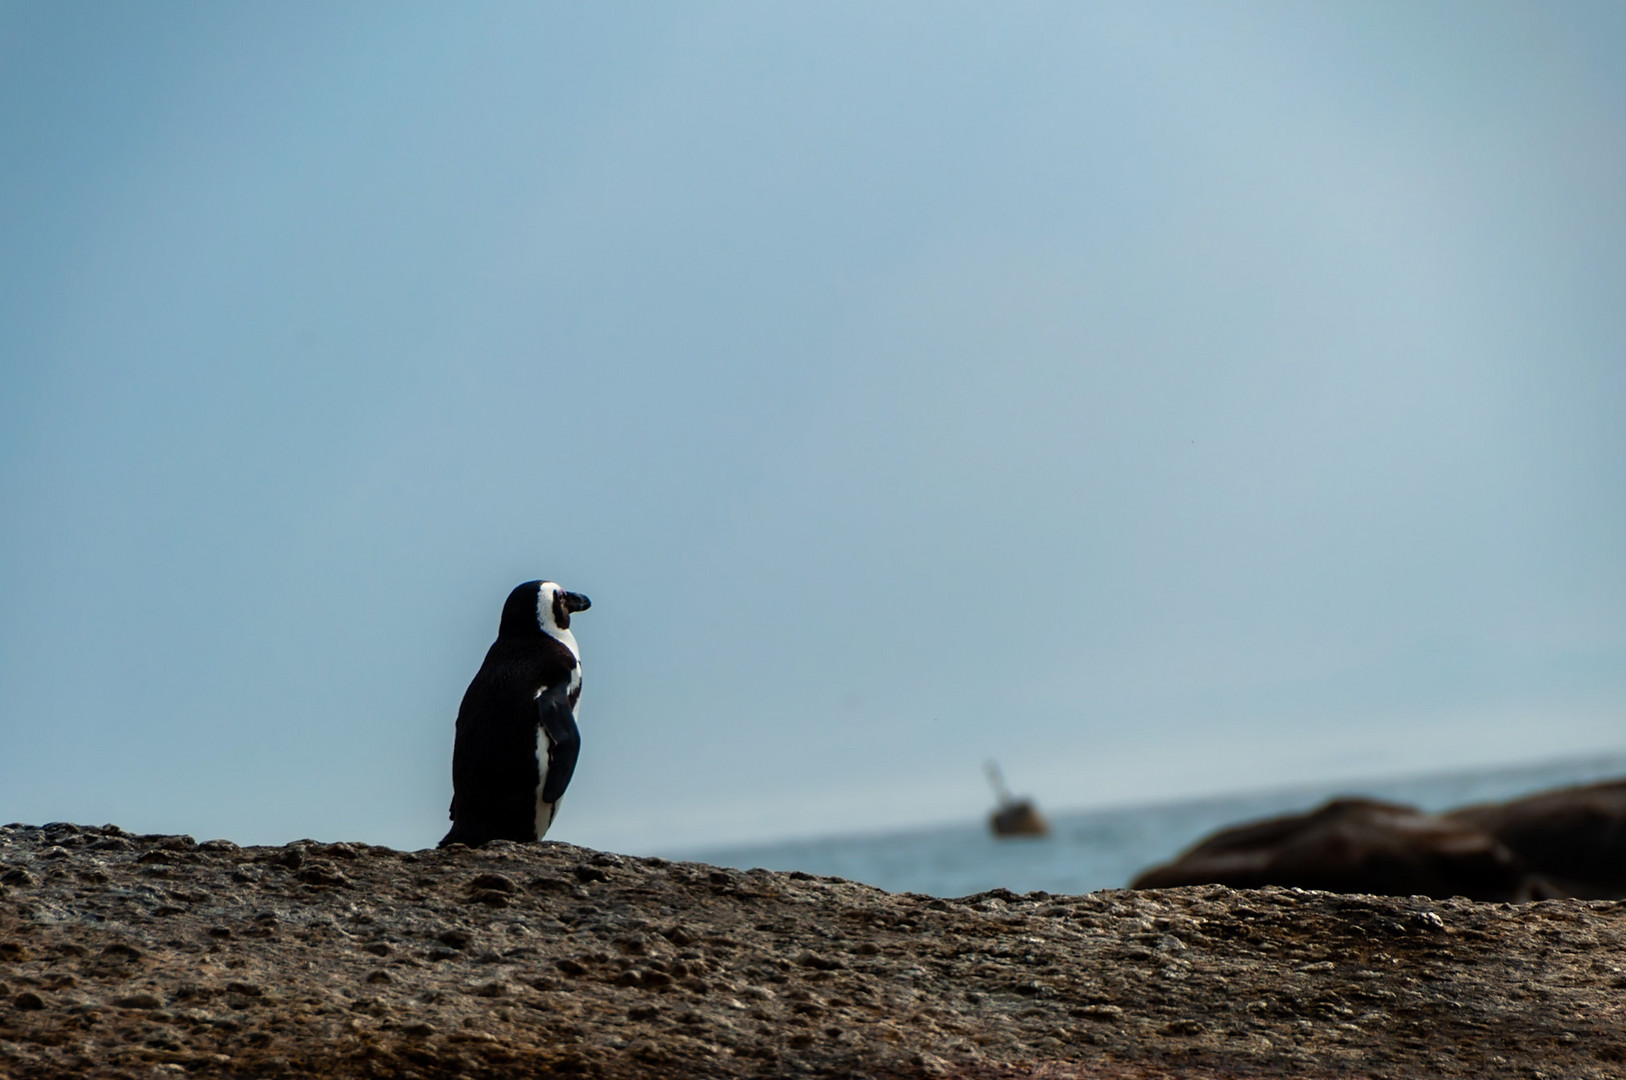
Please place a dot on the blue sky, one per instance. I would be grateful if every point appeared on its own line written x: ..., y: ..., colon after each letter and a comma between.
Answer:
x: 1162, y: 398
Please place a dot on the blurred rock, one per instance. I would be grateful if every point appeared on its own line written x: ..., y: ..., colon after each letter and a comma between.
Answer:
x: 1013, y: 817
x: 1573, y: 838
x: 1019, y: 818
x: 1353, y: 846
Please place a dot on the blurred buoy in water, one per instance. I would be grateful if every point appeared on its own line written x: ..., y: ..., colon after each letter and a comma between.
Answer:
x: 1014, y: 817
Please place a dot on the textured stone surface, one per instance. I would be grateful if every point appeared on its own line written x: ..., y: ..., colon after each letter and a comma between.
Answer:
x: 150, y: 956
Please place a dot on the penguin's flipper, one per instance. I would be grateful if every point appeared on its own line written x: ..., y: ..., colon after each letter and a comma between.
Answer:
x: 553, y: 712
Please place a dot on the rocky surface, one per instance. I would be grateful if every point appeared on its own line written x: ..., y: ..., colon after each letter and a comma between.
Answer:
x: 154, y: 955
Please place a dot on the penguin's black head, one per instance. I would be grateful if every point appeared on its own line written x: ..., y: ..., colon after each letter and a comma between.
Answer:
x: 539, y: 607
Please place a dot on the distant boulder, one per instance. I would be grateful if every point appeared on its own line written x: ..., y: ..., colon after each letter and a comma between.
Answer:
x: 1573, y: 838
x: 1353, y: 846
x: 1018, y: 818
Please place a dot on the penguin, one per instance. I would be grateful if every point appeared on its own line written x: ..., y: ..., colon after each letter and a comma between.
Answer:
x: 517, y: 740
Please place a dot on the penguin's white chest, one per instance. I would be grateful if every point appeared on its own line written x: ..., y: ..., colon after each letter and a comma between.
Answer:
x: 547, y: 811
x: 544, y: 810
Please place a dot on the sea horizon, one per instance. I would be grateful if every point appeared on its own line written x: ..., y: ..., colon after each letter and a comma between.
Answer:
x: 1104, y: 847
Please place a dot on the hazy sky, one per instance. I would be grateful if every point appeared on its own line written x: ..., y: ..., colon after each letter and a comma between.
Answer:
x: 1162, y: 398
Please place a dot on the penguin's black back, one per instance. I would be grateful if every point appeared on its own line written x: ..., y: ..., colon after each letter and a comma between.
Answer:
x: 495, y: 775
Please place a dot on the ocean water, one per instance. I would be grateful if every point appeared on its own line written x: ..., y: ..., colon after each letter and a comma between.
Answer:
x: 1104, y: 848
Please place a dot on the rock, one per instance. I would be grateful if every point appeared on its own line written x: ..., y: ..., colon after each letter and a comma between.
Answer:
x: 1574, y: 838
x: 321, y: 873
x: 684, y: 971
x: 493, y: 882
x: 1020, y: 818
x: 1352, y: 846
x: 137, y: 1001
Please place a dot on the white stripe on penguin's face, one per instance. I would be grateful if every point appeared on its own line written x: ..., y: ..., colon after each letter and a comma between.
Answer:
x: 546, y: 594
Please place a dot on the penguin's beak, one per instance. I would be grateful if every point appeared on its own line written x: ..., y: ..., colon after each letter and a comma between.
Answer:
x: 575, y: 601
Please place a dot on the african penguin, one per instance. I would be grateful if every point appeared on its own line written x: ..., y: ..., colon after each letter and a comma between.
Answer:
x: 516, y: 729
